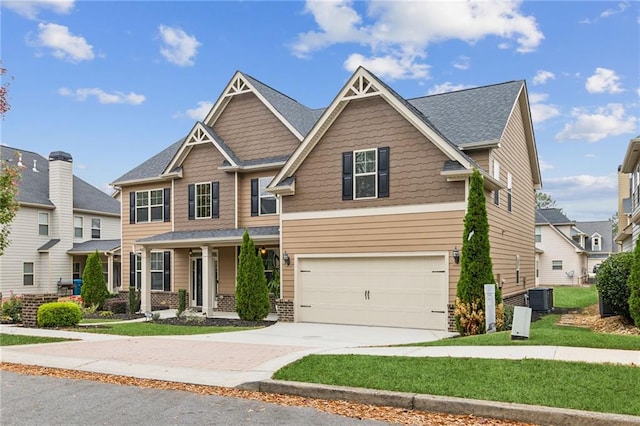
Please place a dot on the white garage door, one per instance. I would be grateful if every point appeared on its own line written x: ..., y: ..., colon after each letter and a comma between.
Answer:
x: 403, y: 291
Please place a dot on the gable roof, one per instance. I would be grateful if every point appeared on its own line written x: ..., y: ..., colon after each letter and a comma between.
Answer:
x: 602, y: 228
x: 553, y: 216
x: 34, y: 186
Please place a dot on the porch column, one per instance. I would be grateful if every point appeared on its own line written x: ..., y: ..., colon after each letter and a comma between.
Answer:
x: 208, y: 289
x: 110, y: 285
x: 145, y: 282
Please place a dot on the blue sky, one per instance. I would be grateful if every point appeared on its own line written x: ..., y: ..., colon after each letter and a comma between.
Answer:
x: 113, y: 83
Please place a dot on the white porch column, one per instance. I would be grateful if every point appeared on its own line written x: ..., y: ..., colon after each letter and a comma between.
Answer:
x: 208, y: 289
x: 145, y: 282
x: 110, y: 285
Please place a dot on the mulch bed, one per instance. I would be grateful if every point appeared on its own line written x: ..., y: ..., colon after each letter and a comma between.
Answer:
x: 214, y: 322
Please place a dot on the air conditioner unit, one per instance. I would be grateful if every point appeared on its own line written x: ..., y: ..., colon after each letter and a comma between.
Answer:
x: 541, y: 299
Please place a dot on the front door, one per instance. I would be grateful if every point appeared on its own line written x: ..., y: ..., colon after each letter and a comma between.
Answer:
x: 196, y: 281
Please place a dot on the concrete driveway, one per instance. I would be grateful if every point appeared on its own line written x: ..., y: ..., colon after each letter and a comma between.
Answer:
x: 223, y: 359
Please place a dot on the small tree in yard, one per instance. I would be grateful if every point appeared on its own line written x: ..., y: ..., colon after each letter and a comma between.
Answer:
x: 94, y: 287
x: 634, y: 286
x: 476, y: 267
x: 252, y: 295
x: 612, y: 282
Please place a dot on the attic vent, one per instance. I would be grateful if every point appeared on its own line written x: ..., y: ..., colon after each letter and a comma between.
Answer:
x: 35, y: 166
x: 238, y: 86
x: 361, y: 87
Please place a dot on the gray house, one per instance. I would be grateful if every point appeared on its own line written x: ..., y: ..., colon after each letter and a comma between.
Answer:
x: 61, y: 220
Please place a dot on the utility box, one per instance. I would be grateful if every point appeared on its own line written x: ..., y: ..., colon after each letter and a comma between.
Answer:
x: 521, y: 323
x: 541, y: 299
x: 605, y: 310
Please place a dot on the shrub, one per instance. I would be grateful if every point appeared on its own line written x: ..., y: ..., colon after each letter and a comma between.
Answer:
x: 634, y: 286
x: 59, y: 314
x: 273, y: 285
x: 12, y: 309
x: 94, y: 287
x: 116, y: 306
x: 507, y: 318
x: 182, y: 301
x: 134, y: 300
x: 611, y: 281
x: 252, y: 295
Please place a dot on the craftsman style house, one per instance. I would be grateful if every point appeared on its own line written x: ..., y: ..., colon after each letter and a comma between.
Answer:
x: 358, y: 207
x: 629, y: 197
x: 61, y: 220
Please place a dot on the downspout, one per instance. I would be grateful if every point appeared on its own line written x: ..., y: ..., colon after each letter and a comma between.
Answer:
x: 236, y: 200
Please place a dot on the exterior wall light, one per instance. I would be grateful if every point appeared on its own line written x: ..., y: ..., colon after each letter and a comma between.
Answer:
x: 456, y: 255
x: 285, y: 257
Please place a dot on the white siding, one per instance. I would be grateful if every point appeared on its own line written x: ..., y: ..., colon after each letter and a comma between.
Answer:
x: 557, y: 248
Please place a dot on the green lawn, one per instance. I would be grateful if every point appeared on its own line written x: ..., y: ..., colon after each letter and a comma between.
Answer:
x: 98, y: 320
x: 155, y: 329
x: 592, y: 387
x: 575, y: 297
x: 11, y: 339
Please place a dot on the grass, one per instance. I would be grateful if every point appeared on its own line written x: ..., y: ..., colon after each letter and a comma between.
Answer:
x: 98, y: 320
x: 582, y: 386
x: 155, y: 329
x: 575, y: 297
x: 11, y: 339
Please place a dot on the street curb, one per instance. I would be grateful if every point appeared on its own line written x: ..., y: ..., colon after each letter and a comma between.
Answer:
x: 540, y: 415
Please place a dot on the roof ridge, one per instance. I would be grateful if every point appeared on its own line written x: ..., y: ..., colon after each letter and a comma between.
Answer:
x: 467, y: 89
x: 275, y: 90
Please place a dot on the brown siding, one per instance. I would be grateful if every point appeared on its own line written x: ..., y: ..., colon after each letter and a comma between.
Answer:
x: 180, y: 270
x: 244, y: 202
x: 414, y: 167
x: 512, y: 233
x: 481, y: 157
x: 423, y: 232
x: 227, y: 270
x: 251, y: 130
x: 201, y: 165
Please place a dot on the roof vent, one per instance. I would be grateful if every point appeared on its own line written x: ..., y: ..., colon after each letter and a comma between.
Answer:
x: 60, y: 156
x: 35, y: 166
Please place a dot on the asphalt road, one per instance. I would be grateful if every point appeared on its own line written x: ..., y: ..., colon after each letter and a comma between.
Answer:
x: 41, y: 400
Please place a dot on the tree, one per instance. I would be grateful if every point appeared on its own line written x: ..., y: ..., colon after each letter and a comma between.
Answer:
x: 9, y: 179
x: 544, y: 201
x: 252, y: 295
x: 614, y: 223
x: 94, y: 287
x: 4, y: 92
x: 476, y: 267
x: 634, y: 286
x: 612, y: 282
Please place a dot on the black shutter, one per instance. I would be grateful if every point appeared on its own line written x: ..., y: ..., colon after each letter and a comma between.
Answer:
x: 167, y: 204
x: 347, y: 175
x: 383, y: 172
x: 192, y: 201
x: 215, y: 200
x: 254, y: 197
x: 132, y: 207
x: 167, y: 271
x: 132, y: 269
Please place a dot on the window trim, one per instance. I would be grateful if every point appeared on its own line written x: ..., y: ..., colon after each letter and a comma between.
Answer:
x: 152, y: 271
x: 596, y: 247
x: 26, y: 274
x: 556, y: 265
x: 197, y: 202
x: 40, y: 224
x: 76, y: 227
x: 538, y: 234
x: 94, y: 228
x: 356, y: 175
x: 509, y: 193
x: 149, y: 206
x: 268, y: 195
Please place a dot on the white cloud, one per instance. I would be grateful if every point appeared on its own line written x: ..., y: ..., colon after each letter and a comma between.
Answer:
x: 65, y: 45
x: 575, y: 187
x: 545, y: 166
x: 179, y: 47
x: 398, y: 33
x: 447, y: 87
x: 604, y: 80
x: 539, y: 111
x: 543, y: 76
x: 610, y: 12
x: 103, y: 97
x: 590, y: 156
x: 198, y: 113
x: 389, y: 67
x: 31, y: 9
x: 610, y: 120
x: 462, y: 63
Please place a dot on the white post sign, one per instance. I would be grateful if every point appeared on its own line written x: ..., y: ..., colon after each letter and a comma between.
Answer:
x: 490, y: 307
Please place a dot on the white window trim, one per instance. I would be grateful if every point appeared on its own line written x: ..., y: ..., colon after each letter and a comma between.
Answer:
x: 157, y: 271
x: 560, y: 264
x: 509, y: 192
x: 596, y: 247
x: 148, y: 206
x: 99, y: 228
x: 196, y: 200
x: 374, y: 173
x: 267, y: 195
x: 76, y: 227
x: 48, y: 225
x: 32, y: 274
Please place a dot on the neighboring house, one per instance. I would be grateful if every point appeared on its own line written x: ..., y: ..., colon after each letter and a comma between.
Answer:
x: 360, y: 204
x: 596, y: 237
x: 560, y: 257
x: 60, y: 221
x: 629, y: 197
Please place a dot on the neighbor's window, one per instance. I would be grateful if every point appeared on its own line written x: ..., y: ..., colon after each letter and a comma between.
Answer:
x: 27, y: 273
x: 95, y: 228
x: 596, y: 243
x: 138, y: 271
x: 105, y: 271
x: 365, y: 173
x: 268, y: 202
x: 556, y: 265
x: 203, y: 200
x: 43, y: 224
x: 76, y: 271
x: 538, y: 234
x: 150, y: 205
x: 157, y: 270
x: 78, y: 224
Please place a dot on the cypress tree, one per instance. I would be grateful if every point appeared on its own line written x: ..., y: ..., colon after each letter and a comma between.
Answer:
x: 252, y: 295
x: 94, y: 287
x: 476, y: 267
x: 634, y: 285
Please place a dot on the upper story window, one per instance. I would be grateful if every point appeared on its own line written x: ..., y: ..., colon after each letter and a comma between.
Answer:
x: 43, y: 223
x: 262, y: 202
x: 496, y: 176
x: 596, y: 242
x: 96, y: 224
x: 150, y: 206
x: 78, y: 225
x: 204, y: 200
x: 509, y: 192
x: 365, y: 174
x: 538, y: 234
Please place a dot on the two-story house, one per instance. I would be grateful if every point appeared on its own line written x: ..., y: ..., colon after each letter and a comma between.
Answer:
x: 61, y: 220
x: 629, y: 197
x: 360, y: 204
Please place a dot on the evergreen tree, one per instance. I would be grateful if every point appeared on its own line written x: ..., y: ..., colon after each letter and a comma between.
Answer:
x: 252, y: 295
x: 94, y: 287
x: 634, y: 286
x: 476, y: 267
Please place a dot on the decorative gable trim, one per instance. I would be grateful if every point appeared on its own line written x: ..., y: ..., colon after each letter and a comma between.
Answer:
x: 363, y: 84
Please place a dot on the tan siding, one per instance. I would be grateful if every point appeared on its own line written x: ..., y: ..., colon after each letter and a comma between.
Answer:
x: 227, y: 270
x: 512, y: 233
x: 180, y: 271
x: 201, y: 165
x: 481, y: 157
x: 244, y: 202
x: 416, y: 232
x: 252, y: 131
x: 414, y: 166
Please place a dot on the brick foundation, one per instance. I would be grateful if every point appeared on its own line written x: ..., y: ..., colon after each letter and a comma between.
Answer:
x: 285, y: 310
x: 30, y: 305
x: 451, y: 321
x: 159, y: 300
x: 227, y: 303
x: 516, y: 299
